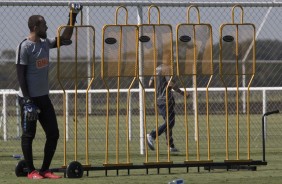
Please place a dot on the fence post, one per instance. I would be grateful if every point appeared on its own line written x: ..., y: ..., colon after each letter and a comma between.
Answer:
x: 264, y: 110
x: 129, y: 117
x: 4, y: 114
x: 67, y: 116
x: 88, y: 59
x: 140, y: 21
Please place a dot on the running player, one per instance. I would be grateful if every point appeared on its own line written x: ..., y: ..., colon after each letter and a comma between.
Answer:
x: 162, y: 78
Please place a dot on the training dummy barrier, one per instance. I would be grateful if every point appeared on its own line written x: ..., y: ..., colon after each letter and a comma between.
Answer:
x: 135, y: 51
x: 237, y: 60
x: 81, y: 71
x: 157, y: 46
x: 194, y: 58
x: 119, y: 59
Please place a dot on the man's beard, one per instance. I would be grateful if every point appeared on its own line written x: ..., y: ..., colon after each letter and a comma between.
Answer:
x: 43, y: 35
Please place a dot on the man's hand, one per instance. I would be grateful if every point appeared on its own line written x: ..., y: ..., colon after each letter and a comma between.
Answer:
x: 187, y: 94
x: 75, y: 7
x: 151, y: 82
x: 181, y: 92
x: 30, y: 110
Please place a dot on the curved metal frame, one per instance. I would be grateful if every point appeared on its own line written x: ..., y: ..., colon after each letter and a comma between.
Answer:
x: 149, y: 14
x: 188, y: 13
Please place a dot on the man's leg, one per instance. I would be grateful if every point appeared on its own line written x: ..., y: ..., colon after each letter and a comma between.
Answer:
x: 28, y: 134
x: 171, y: 125
x: 152, y: 136
x: 163, y: 127
x: 48, y: 120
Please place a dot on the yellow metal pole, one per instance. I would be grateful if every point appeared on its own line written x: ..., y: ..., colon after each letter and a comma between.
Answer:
x: 107, y: 105
x: 248, y: 94
x: 225, y: 97
x: 207, y: 98
x: 226, y: 123
x: 107, y: 125
x: 237, y: 81
x: 75, y: 99
x: 118, y: 93
x: 155, y: 66
x: 195, y: 77
x: 185, y: 99
x: 64, y: 92
x: 185, y: 120
x: 117, y: 122
x: 155, y: 84
x: 126, y: 14
x: 128, y: 98
x: 87, y: 124
x: 196, y: 92
x: 127, y: 121
x: 149, y: 14
x: 233, y: 11
x: 237, y: 97
x: 248, y: 120
x: 208, y: 119
x: 167, y: 121
x: 167, y: 108
x: 188, y: 13
x: 87, y: 97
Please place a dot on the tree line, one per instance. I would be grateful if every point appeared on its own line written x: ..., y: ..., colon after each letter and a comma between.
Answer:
x: 265, y: 50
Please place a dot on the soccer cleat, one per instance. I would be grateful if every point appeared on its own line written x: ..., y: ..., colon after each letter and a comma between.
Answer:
x: 150, y: 141
x: 50, y: 175
x: 34, y: 175
x: 173, y: 149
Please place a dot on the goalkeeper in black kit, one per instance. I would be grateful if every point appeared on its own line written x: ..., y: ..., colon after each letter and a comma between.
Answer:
x: 32, y: 64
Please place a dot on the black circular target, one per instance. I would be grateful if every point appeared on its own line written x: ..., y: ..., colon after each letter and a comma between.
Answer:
x: 144, y: 38
x: 20, y: 169
x: 185, y: 38
x: 74, y: 170
x: 228, y: 38
x: 110, y: 40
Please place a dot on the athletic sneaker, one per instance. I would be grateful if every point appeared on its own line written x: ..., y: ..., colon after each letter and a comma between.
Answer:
x: 151, y: 142
x: 173, y: 149
x: 34, y: 175
x: 50, y: 175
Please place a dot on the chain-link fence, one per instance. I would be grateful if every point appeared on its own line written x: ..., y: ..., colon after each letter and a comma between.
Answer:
x: 265, y: 92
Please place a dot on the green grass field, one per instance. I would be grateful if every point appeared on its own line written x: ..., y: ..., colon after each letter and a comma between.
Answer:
x: 264, y: 174
x: 271, y: 173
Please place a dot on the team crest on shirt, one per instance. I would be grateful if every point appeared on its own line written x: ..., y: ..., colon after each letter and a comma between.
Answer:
x: 41, y: 63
